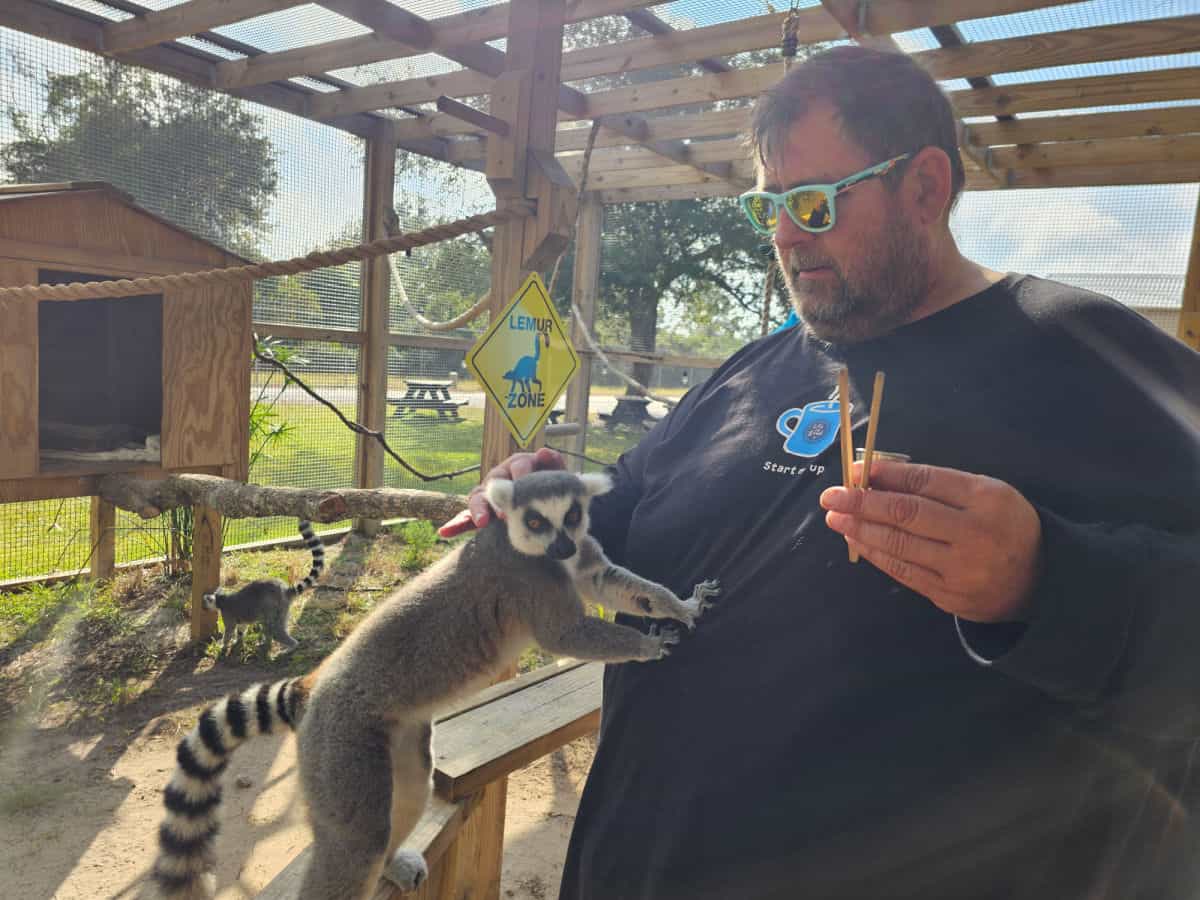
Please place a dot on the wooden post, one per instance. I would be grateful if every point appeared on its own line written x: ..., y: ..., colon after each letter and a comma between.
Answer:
x: 519, y: 165
x: 206, y: 569
x: 588, y: 244
x: 1188, y: 330
x: 103, y: 540
x: 526, y: 97
x: 372, y: 360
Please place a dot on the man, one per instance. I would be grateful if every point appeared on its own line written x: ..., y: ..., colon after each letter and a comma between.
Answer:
x: 1003, y: 699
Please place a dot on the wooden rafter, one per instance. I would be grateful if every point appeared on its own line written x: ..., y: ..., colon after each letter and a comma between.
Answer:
x: 611, y: 59
x: 652, y: 24
x: 492, y: 61
x: 1079, y: 93
x: 475, y: 26
x: 1175, y: 148
x: 1086, y: 126
x: 157, y: 26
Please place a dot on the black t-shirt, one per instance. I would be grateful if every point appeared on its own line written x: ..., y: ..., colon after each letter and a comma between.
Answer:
x: 824, y: 732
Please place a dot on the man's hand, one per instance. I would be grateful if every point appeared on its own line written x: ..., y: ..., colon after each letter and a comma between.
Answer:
x: 478, y: 512
x: 969, y: 543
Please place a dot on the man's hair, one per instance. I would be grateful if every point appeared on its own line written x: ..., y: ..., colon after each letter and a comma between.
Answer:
x: 887, y: 104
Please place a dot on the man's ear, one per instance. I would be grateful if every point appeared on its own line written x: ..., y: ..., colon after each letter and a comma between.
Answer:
x: 499, y: 493
x: 929, y: 179
x: 596, y: 483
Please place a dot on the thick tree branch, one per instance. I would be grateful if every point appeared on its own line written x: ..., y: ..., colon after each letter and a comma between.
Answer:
x: 238, y: 500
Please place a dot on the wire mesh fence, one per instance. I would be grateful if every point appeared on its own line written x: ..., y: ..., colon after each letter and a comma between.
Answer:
x: 268, y: 185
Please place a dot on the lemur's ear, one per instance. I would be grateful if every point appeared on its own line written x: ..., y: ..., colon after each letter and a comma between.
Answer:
x: 499, y: 493
x: 596, y: 483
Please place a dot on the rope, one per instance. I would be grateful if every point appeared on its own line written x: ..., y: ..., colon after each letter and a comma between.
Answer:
x: 768, y: 290
x: 790, y: 44
x: 269, y: 358
x: 481, y: 304
x: 317, y: 260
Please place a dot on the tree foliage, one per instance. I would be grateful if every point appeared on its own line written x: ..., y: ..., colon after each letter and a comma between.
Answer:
x: 196, y: 157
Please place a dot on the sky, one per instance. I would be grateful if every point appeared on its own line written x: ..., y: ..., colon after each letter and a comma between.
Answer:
x: 1143, y: 229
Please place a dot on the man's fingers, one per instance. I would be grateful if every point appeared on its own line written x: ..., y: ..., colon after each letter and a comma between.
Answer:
x: 549, y: 458
x: 949, y: 486
x: 895, y: 542
x: 924, y: 581
x: 460, y: 523
x: 910, y: 512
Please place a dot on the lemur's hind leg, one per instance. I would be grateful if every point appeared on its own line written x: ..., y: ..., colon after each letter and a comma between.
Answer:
x: 279, y: 630
x: 412, y: 784
x: 349, y: 790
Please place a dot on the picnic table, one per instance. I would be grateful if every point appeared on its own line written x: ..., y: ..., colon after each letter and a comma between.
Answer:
x: 630, y: 411
x: 426, y: 395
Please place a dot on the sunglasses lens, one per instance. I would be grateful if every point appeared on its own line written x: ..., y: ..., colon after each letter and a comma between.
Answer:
x: 762, y: 212
x: 809, y: 208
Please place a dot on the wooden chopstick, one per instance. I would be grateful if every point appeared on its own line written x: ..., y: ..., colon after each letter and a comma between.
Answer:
x: 872, y: 428
x: 847, y: 437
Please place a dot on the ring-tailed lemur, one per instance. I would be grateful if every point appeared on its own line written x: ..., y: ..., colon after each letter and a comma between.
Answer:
x: 267, y: 600
x: 363, y: 718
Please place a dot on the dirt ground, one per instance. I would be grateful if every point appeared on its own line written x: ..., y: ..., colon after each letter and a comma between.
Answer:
x: 83, y: 760
x: 92, y: 802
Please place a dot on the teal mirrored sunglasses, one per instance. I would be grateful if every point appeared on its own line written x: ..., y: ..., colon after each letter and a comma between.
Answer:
x: 810, y: 206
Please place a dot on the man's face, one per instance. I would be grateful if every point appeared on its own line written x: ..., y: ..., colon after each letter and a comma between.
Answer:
x: 869, y: 273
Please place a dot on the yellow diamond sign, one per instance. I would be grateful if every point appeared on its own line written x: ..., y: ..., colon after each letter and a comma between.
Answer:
x: 525, y: 360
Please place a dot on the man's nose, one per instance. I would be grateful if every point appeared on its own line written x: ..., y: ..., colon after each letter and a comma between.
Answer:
x: 788, y: 234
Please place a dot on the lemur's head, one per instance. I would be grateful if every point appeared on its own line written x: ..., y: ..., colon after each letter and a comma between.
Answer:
x: 546, y: 513
x: 209, y: 600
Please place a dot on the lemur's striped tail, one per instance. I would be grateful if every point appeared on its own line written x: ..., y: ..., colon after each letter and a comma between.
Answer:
x: 318, y: 564
x: 185, y: 864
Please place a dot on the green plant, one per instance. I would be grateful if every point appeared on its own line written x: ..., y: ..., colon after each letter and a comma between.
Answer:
x: 419, y: 536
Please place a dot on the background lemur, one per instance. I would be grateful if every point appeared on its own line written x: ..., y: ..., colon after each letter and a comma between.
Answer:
x: 363, y: 718
x: 267, y: 600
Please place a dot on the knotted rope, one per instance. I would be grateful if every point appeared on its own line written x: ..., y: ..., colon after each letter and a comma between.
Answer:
x: 320, y: 259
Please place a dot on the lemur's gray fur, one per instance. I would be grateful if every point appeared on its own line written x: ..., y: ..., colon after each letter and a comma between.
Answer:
x: 267, y: 600
x: 363, y: 718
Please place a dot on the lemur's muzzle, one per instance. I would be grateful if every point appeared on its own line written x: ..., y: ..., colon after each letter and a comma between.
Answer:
x: 561, y: 548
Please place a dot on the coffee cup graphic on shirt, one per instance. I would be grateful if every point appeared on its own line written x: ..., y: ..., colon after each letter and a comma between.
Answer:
x: 809, y: 430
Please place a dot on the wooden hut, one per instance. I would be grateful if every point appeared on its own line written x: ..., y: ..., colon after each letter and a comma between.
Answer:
x: 150, y: 384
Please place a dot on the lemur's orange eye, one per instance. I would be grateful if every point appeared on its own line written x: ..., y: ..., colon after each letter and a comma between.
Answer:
x: 535, y: 522
x: 574, y: 514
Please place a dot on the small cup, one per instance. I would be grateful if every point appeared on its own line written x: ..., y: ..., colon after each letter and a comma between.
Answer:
x: 860, y: 452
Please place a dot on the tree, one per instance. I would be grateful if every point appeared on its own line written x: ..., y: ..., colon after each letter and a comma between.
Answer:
x: 196, y: 157
x: 699, y: 260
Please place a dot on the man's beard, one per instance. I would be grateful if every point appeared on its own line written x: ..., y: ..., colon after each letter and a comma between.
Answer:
x: 888, y: 284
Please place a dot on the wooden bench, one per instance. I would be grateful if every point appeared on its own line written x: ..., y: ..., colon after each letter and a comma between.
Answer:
x: 502, y: 729
x: 427, y: 395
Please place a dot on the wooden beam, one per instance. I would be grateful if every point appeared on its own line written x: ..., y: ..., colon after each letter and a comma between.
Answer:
x: 691, y: 91
x: 1083, y: 127
x: 475, y: 117
x: 103, y: 538
x: 731, y: 150
x: 475, y: 26
x: 387, y: 20
x: 1180, y: 34
x: 649, y: 22
x: 674, y: 192
x: 184, y: 19
x: 1181, y: 148
x: 1188, y: 330
x: 1079, y: 93
x: 672, y: 48
x: 378, y: 186
x: 206, y: 570
x: 662, y: 176
x: 78, y: 28
x: 589, y: 244
x: 1096, y: 176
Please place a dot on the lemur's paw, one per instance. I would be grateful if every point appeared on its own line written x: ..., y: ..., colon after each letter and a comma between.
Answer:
x: 407, y: 869
x: 700, y: 600
x: 667, y: 635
